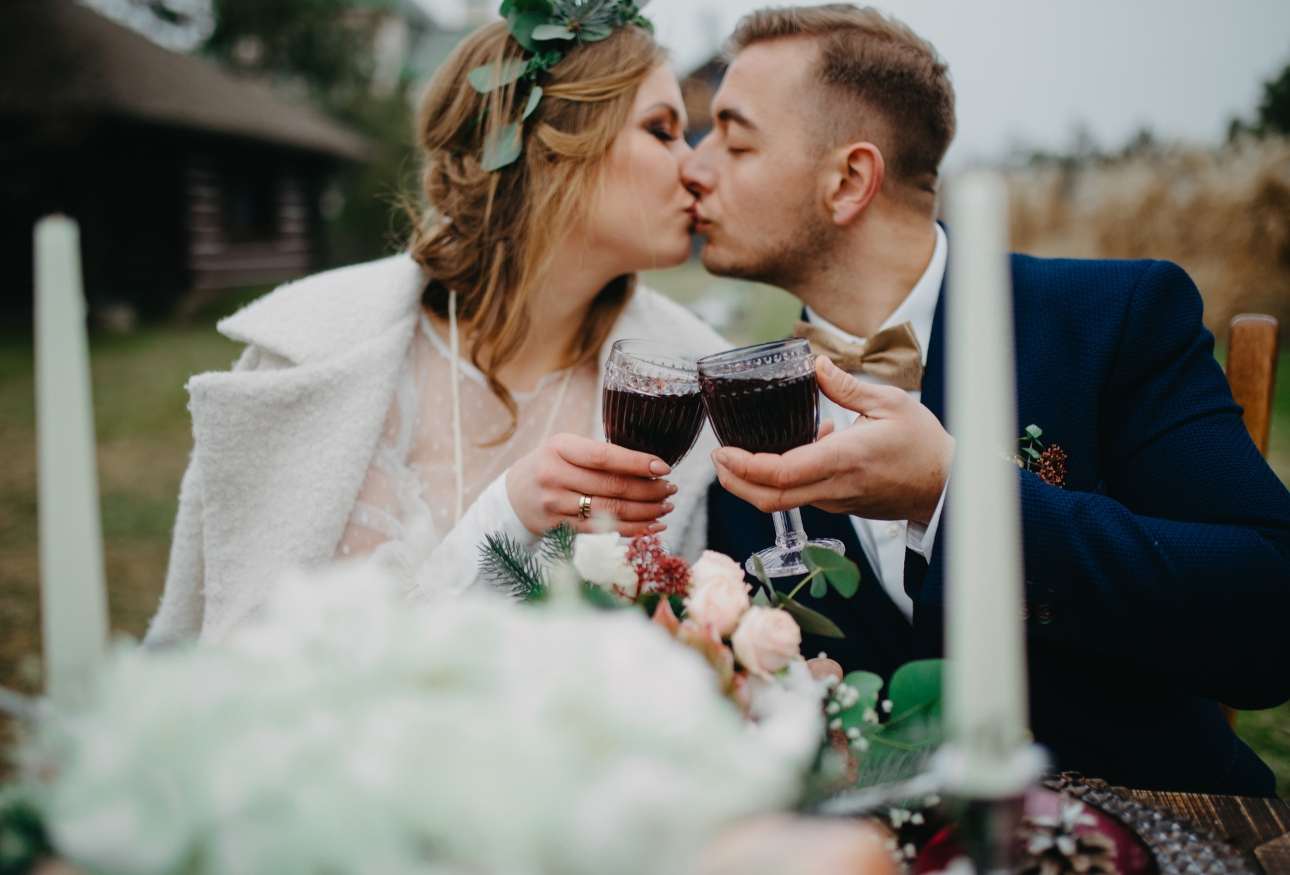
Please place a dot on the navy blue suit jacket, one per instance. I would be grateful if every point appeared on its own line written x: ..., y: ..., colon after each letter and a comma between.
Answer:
x: 1157, y: 580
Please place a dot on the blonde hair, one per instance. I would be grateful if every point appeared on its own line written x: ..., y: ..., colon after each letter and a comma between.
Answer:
x: 881, y: 65
x: 492, y: 236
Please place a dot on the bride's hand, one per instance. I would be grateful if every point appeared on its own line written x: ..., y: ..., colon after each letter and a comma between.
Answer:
x: 545, y: 486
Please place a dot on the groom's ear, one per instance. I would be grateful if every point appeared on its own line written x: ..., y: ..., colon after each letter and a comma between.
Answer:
x: 852, y: 179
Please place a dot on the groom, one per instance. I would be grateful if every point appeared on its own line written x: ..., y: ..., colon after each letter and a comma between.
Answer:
x: 1157, y: 564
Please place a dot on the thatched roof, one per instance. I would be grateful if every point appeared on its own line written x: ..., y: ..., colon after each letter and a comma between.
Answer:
x: 60, y: 59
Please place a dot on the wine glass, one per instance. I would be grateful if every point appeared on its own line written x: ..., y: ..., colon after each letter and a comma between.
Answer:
x: 765, y: 399
x: 652, y: 402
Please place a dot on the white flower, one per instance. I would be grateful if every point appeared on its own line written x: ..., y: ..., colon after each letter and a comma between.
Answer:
x: 767, y: 640
x: 602, y: 560
x: 353, y: 732
x: 718, y: 595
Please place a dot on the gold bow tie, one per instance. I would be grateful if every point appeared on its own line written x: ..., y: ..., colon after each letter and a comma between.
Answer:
x: 893, y: 355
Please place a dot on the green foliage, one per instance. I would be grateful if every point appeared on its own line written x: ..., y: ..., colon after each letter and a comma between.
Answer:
x: 508, y: 565
x: 900, y: 747
x: 557, y: 543
x: 810, y: 621
x: 1274, y: 110
x: 1030, y: 448
x: 841, y: 573
x: 23, y: 840
x: 321, y: 50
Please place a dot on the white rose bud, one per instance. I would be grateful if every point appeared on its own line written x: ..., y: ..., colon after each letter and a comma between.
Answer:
x: 766, y: 641
x: 718, y: 598
x: 602, y: 560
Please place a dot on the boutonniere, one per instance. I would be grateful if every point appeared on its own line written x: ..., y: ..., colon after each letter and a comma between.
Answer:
x: 1049, y: 463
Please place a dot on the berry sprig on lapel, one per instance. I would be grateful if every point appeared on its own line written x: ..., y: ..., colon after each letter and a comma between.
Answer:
x: 1048, y: 463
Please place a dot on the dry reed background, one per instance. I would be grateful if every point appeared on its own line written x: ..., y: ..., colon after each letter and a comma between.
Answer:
x: 1224, y: 215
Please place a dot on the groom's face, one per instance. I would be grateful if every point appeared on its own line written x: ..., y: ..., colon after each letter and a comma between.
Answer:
x: 757, y: 173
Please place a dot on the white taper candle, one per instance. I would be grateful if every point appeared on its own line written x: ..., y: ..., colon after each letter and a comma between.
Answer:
x: 73, y: 596
x: 985, y: 691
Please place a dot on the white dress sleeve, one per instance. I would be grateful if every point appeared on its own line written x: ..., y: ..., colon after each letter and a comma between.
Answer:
x: 453, y: 566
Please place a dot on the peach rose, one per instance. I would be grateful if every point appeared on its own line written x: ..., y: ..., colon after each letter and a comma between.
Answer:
x: 718, y: 602
x: 766, y: 641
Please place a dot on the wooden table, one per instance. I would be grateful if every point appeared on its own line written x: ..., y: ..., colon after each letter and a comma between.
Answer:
x: 1258, y: 828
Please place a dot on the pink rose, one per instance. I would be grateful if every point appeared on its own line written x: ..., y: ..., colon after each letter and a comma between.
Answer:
x: 766, y: 641
x: 717, y: 598
x: 715, y: 566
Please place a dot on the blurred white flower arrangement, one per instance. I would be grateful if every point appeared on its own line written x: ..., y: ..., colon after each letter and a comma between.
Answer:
x: 354, y: 732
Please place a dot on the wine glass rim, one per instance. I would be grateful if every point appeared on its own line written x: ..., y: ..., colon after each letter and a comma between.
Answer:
x: 753, y: 350
x: 675, y: 357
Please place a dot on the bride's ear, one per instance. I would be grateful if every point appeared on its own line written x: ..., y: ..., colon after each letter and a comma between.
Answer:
x: 853, y: 179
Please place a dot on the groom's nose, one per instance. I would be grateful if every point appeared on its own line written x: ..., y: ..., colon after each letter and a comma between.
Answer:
x: 697, y: 173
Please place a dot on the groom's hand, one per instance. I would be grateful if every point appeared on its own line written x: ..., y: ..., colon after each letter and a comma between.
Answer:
x: 891, y: 464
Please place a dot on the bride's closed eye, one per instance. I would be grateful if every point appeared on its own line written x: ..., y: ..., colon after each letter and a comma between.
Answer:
x: 663, y: 131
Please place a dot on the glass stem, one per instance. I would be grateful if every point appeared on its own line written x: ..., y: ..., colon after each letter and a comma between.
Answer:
x: 789, y: 533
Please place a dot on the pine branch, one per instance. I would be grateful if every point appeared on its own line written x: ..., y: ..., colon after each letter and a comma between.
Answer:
x: 557, y: 543
x: 507, y: 565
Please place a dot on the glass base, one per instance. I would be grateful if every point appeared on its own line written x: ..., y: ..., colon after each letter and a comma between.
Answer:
x: 787, y: 562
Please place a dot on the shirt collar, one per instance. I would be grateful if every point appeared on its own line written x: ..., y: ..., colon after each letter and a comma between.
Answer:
x: 919, y: 306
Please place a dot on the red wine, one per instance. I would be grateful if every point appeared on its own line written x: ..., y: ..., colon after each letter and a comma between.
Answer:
x: 664, y: 425
x: 763, y: 416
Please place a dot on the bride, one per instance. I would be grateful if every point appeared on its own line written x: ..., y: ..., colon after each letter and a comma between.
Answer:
x: 407, y: 407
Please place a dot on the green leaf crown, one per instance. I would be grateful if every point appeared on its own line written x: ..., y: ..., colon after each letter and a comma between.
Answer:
x: 546, y: 29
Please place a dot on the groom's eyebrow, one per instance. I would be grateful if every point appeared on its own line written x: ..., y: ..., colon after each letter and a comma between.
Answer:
x: 734, y: 115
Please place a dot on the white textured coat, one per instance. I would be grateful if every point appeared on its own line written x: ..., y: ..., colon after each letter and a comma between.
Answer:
x: 283, y: 440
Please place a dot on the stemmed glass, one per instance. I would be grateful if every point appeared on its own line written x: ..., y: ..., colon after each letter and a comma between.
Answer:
x: 652, y: 402
x: 765, y: 399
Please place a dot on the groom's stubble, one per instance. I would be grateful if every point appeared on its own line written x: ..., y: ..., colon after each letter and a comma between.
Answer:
x: 788, y: 260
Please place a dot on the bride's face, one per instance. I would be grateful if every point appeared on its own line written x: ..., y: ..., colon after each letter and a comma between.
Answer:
x: 643, y: 215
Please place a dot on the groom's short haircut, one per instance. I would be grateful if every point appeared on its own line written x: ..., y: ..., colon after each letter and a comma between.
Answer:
x: 884, y: 68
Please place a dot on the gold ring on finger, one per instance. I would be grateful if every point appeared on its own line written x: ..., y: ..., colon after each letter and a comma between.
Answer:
x: 584, y: 507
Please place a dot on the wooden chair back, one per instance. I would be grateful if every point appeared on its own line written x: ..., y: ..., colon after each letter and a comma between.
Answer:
x: 1252, y: 374
x: 1252, y: 371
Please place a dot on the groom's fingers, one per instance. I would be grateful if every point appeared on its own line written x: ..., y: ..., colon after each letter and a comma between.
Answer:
x: 846, y: 391
x: 769, y: 498
x: 798, y: 467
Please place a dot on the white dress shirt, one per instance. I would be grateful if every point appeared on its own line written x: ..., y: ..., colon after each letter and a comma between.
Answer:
x: 884, y: 541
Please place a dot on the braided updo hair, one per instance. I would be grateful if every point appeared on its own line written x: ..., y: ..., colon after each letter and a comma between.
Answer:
x: 491, y: 236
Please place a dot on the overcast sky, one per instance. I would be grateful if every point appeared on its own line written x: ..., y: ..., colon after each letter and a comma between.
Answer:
x: 1028, y: 72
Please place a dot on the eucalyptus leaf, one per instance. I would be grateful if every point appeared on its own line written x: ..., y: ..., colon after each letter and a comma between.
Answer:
x: 759, y: 572
x: 819, y: 587
x: 502, y: 147
x: 840, y: 571
x: 594, y: 34
x: 523, y: 26
x: 551, y: 31
x: 539, y: 7
x: 484, y: 79
x: 759, y: 599
x: 535, y: 96
x: 914, y: 686
x: 1033, y: 453
x: 1034, y: 431
x: 505, y: 9
x: 811, y: 622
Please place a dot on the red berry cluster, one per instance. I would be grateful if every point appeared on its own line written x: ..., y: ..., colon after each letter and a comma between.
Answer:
x: 1051, y: 467
x: 655, y: 570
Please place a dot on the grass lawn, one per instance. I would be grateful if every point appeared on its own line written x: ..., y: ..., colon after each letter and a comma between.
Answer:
x: 144, y: 439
